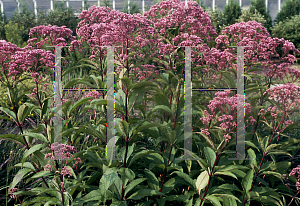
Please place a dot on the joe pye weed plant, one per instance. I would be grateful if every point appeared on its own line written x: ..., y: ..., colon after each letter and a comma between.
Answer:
x: 149, y: 112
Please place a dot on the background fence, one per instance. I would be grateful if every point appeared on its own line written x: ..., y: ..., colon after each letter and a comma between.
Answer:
x: 10, y: 6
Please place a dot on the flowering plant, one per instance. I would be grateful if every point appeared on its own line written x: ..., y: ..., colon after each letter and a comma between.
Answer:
x: 158, y: 157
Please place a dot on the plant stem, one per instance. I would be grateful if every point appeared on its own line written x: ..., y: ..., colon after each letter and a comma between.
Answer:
x: 256, y: 174
x: 210, y: 175
x: 165, y: 172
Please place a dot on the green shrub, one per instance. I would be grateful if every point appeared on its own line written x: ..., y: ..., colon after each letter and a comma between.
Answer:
x: 60, y: 16
x: 289, y: 8
x: 134, y: 8
x: 260, y: 6
x: 289, y: 29
x: 13, y: 33
x: 217, y: 19
x: 231, y: 12
x: 26, y: 19
x: 248, y: 16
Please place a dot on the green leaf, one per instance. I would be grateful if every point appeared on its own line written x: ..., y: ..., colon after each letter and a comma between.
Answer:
x: 207, y: 139
x: 93, y: 195
x: 45, y: 107
x: 227, y: 173
x: 40, y: 174
x: 225, y: 196
x: 210, y: 157
x: 21, y: 173
x: 32, y: 150
x: 20, y: 113
x: 139, y: 155
x: 107, y: 179
x: 266, y: 165
x: 135, y: 98
x: 213, y: 200
x: 187, y: 178
x: 37, y: 136
x: 13, y: 137
x: 72, y: 82
x: 164, y: 109
x: 161, y: 99
x: 26, y: 165
x: 152, y: 180
x: 144, y: 193
x: 126, y: 82
x: 276, y: 174
x: 251, y: 155
x: 78, y: 103
x: 123, y: 125
x: 133, y: 184
x: 9, y: 113
x: 247, y: 181
x: 202, y: 181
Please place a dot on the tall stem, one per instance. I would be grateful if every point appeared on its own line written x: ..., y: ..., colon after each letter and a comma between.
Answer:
x: 165, y: 171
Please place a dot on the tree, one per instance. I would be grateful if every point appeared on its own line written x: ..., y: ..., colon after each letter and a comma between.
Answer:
x: 3, y: 22
x: 289, y: 8
x: 288, y: 30
x: 13, y: 32
x: 231, y: 12
x: 260, y: 6
x: 217, y: 19
x: 248, y: 16
x: 26, y: 19
x: 134, y: 8
x: 60, y: 16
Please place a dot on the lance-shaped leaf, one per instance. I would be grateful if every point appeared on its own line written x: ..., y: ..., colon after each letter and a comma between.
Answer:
x: 202, y: 181
x: 78, y: 103
x: 9, y: 113
x: 247, y: 181
x: 32, y: 150
x: 107, y: 179
x: 37, y: 136
x: 162, y: 108
x: 210, y: 157
x: 126, y: 82
x: 13, y: 137
x: 23, y: 112
x: 21, y: 173
x: 133, y: 184
x: 123, y: 125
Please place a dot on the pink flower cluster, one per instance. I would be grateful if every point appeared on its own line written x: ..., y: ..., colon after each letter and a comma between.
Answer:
x: 11, y: 193
x: 286, y: 96
x: 7, y: 50
x: 50, y: 36
x: 102, y: 26
x: 263, y: 47
x: 93, y: 94
x: 287, y: 75
x: 228, y: 107
x: 61, y: 152
x: 295, y: 171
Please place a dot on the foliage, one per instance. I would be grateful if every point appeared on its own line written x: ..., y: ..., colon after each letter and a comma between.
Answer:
x: 60, y: 16
x: 260, y: 6
x: 248, y: 16
x: 134, y: 8
x: 289, y: 8
x: 217, y: 19
x: 232, y: 11
x: 149, y: 129
x: 13, y: 33
x: 288, y: 30
x: 3, y: 22
x: 25, y: 19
